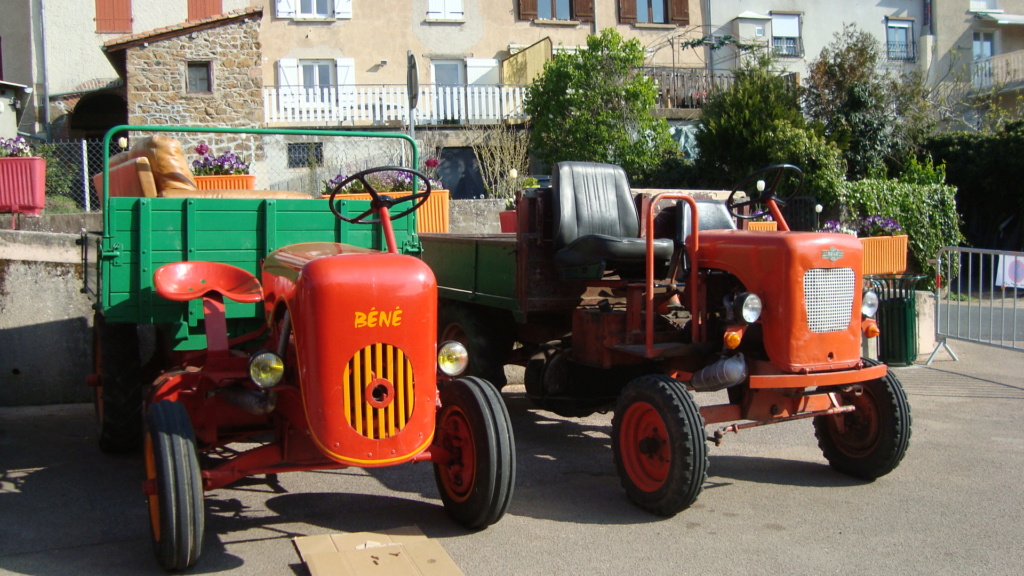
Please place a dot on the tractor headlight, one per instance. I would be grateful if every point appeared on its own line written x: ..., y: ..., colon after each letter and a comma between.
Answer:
x: 869, y: 303
x: 748, y: 307
x: 266, y: 369
x: 452, y: 358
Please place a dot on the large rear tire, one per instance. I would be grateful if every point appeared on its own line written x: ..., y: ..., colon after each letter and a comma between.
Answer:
x: 175, y: 489
x: 477, y: 477
x: 119, y: 394
x: 659, y: 445
x: 487, y: 338
x: 870, y: 441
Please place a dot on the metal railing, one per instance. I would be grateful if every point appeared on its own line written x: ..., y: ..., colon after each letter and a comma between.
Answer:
x: 902, y: 51
x: 387, y: 104
x: 997, y: 70
x: 979, y: 298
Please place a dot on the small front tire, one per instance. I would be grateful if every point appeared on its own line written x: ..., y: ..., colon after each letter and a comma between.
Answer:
x: 174, y: 486
x: 659, y: 446
x: 474, y: 433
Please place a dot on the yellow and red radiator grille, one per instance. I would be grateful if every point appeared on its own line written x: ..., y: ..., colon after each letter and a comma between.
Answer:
x: 378, y: 391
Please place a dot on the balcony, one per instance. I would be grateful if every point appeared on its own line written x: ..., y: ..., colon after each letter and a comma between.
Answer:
x: 901, y: 51
x: 998, y: 71
x: 388, y: 105
x: 686, y: 87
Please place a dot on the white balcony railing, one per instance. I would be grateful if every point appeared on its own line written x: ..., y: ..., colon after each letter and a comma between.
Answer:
x: 383, y: 104
x: 998, y: 70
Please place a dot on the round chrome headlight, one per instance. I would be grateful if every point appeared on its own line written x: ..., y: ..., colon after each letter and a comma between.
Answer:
x: 266, y: 369
x: 748, y: 307
x: 452, y: 358
x: 869, y: 303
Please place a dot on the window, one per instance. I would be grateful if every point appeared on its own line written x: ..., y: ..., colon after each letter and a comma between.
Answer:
x: 579, y: 10
x: 199, y: 78
x: 313, y: 9
x: 984, y: 45
x: 305, y: 154
x: 113, y: 16
x: 899, y: 40
x: 444, y: 10
x: 312, y: 83
x: 199, y: 9
x: 984, y: 5
x: 786, y: 35
x: 675, y: 12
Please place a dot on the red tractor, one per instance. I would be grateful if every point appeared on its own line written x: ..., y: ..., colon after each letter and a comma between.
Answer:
x: 345, y: 372
x: 610, y: 314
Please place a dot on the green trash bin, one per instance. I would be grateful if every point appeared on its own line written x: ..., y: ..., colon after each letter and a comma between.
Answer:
x: 897, y: 317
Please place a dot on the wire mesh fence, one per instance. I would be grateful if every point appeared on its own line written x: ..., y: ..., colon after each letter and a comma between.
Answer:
x: 303, y: 163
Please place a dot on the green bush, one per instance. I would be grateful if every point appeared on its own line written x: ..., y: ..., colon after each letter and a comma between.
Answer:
x: 821, y: 161
x: 927, y: 213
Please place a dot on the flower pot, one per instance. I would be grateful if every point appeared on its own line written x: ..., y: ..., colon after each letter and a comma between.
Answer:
x: 226, y: 182
x: 762, y: 226
x: 431, y: 217
x: 508, y: 221
x: 885, y: 254
x: 23, y: 185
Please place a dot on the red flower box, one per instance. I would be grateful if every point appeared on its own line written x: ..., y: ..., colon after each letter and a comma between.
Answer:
x: 23, y: 185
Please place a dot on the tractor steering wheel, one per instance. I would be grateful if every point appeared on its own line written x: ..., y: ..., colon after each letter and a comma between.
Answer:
x: 378, y: 200
x: 762, y: 196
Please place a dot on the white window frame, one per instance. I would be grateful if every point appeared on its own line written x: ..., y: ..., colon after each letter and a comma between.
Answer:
x: 786, y: 26
x: 991, y: 42
x: 338, y: 9
x: 907, y: 54
x: 445, y: 10
x: 984, y: 6
x: 292, y: 75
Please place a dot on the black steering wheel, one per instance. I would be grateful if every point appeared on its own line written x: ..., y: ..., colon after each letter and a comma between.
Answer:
x: 378, y: 200
x: 771, y: 190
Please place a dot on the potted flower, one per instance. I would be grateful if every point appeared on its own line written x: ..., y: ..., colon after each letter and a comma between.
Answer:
x: 227, y: 171
x: 22, y: 178
x: 885, y: 245
x: 433, y: 216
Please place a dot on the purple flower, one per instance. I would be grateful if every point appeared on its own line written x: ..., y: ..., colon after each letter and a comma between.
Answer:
x: 878, y: 226
x: 202, y: 149
x: 227, y: 163
x: 14, y: 147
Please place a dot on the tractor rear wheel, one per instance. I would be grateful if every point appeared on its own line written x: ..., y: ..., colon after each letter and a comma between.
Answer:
x: 118, y: 397
x: 173, y: 486
x: 659, y: 445
x: 476, y: 475
x: 870, y: 441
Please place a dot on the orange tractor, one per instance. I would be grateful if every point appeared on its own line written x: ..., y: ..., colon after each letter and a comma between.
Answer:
x: 604, y: 315
x: 341, y: 370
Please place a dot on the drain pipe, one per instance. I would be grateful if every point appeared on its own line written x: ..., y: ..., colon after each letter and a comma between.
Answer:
x: 46, y: 70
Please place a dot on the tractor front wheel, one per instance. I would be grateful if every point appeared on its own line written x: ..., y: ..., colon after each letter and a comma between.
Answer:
x: 659, y: 446
x: 870, y: 441
x: 476, y: 471
x: 173, y: 486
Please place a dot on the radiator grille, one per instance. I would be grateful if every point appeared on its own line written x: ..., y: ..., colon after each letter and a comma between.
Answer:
x: 374, y: 368
x: 828, y: 298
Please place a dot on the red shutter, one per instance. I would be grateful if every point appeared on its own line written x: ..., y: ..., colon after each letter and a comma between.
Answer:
x: 679, y: 12
x: 627, y: 11
x: 527, y: 9
x: 583, y: 10
x: 199, y: 9
x: 113, y: 16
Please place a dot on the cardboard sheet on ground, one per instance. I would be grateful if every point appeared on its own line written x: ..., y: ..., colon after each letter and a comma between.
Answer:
x: 402, y: 551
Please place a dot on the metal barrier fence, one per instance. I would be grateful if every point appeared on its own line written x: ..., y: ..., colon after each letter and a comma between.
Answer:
x: 979, y: 298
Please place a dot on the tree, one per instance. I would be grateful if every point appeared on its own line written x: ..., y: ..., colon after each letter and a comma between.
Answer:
x: 875, y: 117
x: 595, y: 105
x: 736, y: 134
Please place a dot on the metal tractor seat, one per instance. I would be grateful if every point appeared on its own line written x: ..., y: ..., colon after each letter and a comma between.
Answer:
x: 596, y: 225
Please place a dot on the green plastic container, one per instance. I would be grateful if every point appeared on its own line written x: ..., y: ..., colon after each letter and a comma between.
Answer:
x: 897, y: 318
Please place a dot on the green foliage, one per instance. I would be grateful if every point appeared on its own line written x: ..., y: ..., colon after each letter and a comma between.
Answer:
x: 594, y: 105
x: 60, y: 175
x: 57, y: 204
x: 923, y: 172
x: 875, y: 117
x: 820, y: 161
x: 926, y: 212
x: 673, y: 171
x: 736, y: 135
x: 988, y: 172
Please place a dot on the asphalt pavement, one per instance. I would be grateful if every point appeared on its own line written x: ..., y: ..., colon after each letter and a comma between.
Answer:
x: 771, y: 505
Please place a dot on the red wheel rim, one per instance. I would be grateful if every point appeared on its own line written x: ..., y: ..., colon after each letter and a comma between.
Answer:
x: 458, y: 474
x: 861, y: 429
x: 644, y: 447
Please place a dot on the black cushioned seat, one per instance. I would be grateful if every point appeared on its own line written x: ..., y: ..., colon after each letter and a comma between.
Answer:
x: 596, y: 221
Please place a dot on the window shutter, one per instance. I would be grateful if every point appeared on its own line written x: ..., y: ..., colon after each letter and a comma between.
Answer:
x: 483, y: 71
x: 455, y: 9
x: 583, y: 10
x: 342, y: 8
x: 786, y: 25
x: 289, y: 85
x: 527, y: 9
x: 679, y: 12
x: 113, y: 16
x: 435, y: 9
x: 345, y: 72
x: 627, y: 11
x: 284, y: 8
x: 199, y: 9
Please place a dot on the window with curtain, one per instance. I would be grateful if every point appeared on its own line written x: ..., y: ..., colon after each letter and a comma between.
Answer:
x: 786, y: 35
x: 899, y: 40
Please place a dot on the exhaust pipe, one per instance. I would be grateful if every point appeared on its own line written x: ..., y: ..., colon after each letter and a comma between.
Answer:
x: 723, y: 374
